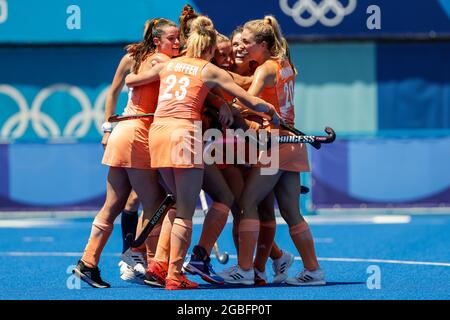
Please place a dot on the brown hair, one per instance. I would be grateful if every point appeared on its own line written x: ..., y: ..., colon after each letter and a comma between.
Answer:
x: 152, y: 29
x: 238, y: 29
x: 187, y: 16
x: 202, y: 38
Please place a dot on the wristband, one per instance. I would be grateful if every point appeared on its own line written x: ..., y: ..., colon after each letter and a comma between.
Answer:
x: 107, y: 127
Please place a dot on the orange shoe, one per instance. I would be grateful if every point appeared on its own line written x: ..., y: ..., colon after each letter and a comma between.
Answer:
x: 156, y: 271
x: 181, y: 283
x: 260, y: 278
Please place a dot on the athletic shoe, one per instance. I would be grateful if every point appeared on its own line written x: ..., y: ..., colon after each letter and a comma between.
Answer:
x: 133, y: 257
x: 156, y: 271
x: 152, y: 282
x: 182, y: 283
x: 90, y: 275
x: 308, y: 278
x: 281, y: 266
x: 130, y: 274
x: 200, y: 264
x: 260, y: 278
x: 236, y: 275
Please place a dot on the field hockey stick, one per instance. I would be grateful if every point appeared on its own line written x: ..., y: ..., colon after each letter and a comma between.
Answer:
x: 167, y: 203
x: 118, y: 117
x: 223, y: 258
x: 329, y: 138
x: 300, y: 137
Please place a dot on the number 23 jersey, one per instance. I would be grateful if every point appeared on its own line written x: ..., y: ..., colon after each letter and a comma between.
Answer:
x: 182, y: 91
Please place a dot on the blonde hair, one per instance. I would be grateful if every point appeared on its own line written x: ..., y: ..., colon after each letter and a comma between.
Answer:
x: 268, y: 30
x: 222, y: 38
x: 288, y: 55
x: 202, y: 37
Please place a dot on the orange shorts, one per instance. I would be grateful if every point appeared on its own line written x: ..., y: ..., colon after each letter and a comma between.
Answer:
x: 128, y: 145
x: 176, y: 143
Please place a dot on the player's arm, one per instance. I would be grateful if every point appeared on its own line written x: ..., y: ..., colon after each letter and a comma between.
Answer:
x: 148, y: 76
x: 156, y: 58
x: 242, y: 81
x: 216, y: 77
x: 217, y: 101
x: 112, y: 97
x: 263, y: 77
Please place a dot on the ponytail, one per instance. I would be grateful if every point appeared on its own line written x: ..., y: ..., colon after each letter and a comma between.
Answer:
x: 152, y: 29
x: 187, y: 15
x: 202, y: 37
x: 268, y: 30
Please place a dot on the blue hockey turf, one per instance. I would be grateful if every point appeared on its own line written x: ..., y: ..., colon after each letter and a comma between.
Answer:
x: 412, y: 254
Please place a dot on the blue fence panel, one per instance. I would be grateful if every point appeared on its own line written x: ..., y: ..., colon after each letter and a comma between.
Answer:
x: 52, y: 176
x: 46, y: 21
x: 413, y: 86
x: 56, y: 92
x: 382, y: 173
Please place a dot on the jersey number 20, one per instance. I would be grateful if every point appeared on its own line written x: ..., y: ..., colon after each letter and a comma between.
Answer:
x: 289, y: 92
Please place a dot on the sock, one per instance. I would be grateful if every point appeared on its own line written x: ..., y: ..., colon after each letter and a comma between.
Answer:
x: 179, y: 245
x: 151, y: 242
x: 215, y: 221
x: 275, y: 252
x: 100, y: 232
x: 265, y: 240
x: 142, y: 249
x: 163, y: 248
x: 303, y: 240
x: 248, y: 236
x: 128, y: 222
x: 236, y: 235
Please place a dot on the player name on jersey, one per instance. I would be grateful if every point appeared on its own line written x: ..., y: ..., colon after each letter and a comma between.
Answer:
x: 286, y: 72
x: 183, y: 68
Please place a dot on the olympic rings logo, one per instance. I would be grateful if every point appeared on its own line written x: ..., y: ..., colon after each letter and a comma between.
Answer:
x: 43, y: 125
x: 318, y: 11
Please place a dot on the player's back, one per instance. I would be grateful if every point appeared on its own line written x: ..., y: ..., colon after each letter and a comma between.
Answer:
x: 182, y: 91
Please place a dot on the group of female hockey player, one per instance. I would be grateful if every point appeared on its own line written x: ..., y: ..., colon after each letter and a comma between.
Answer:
x: 193, y: 78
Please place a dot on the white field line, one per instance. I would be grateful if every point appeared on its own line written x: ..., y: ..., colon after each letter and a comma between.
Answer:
x: 198, y: 219
x: 329, y: 220
x: 79, y: 254
x: 30, y: 223
x: 419, y: 263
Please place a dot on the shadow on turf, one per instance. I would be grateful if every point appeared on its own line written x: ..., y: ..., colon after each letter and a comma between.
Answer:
x: 205, y: 286
x: 271, y: 285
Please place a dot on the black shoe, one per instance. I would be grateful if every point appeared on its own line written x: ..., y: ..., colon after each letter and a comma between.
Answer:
x: 304, y: 190
x: 90, y: 275
x: 151, y: 281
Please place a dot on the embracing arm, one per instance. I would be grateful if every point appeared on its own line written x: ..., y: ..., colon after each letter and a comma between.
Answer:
x: 112, y: 97
x: 148, y: 76
x: 118, y: 82
x: 216, y: 77
x: 241, y: 81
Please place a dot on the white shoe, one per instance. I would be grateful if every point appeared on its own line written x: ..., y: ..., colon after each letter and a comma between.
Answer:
x: 308, y: 278
x: 281, y: 267
x: 236, y: 275
x: 128, y: 273
x: 133, y: 258
x: 260, y: 278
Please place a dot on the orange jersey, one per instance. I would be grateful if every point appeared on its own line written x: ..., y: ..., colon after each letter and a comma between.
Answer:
x: 182, y: 91
x: 281, y: 96
x: 143, y: 99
